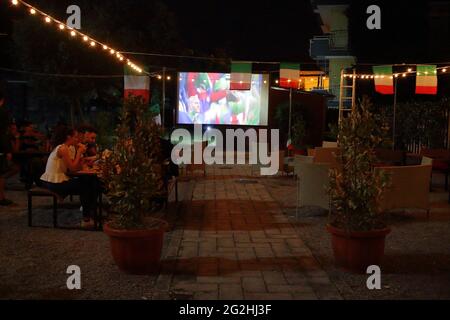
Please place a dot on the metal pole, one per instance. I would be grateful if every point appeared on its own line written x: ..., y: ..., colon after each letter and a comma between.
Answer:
x: 395, y: 111
x: 290, y: 112
x: 163, y: 97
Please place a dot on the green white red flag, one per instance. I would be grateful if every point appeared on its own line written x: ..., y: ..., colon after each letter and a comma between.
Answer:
x: 384, y: 81
x: 426, y: 80
x: 136, y: 85
x: 241, y: 76
x: 290, y: 75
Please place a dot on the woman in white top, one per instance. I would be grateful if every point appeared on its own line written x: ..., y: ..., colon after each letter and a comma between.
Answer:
x: 60, y: 162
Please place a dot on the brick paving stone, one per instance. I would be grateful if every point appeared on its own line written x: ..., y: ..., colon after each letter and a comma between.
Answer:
x: 218, y: 279
x: 274, y: 277
x: 268, y: 296
x: 234, y: 242
x: 225, y: 242
x: 230, y: 292
x: 254, y: 284
x: 264, y: 252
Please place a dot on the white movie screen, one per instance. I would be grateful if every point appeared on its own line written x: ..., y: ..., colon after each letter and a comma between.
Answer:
x: 206, y: 98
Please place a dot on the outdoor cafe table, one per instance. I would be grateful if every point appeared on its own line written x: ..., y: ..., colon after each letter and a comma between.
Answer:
x: 90, y: 177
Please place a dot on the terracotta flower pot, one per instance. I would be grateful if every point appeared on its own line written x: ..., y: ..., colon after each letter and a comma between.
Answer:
x: 355, y: 251
x: 137, y: 251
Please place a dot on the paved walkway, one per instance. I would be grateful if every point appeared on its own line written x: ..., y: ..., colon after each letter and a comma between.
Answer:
x: 231, y: 241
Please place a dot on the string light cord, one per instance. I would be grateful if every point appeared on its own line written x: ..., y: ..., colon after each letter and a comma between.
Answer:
x: 93, y: 43
x: 65, y: 75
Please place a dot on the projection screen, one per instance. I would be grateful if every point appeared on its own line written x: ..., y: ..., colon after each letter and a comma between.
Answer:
x: 206, y: 98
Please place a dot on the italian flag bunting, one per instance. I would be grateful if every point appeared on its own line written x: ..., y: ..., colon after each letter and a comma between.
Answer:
x: 426, y: 81
x: 290, y: 75
x: 137, y: 85
x: 241, y: 76
x: 384, y: 81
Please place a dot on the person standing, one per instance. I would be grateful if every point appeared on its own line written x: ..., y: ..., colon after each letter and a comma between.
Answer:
x: 5, y: 150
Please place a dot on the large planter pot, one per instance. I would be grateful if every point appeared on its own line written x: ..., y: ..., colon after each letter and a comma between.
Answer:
x: 137, y: 251
x: 355, y: 251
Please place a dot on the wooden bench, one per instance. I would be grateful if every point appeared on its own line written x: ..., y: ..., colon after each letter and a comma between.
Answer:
x: 41, y: 192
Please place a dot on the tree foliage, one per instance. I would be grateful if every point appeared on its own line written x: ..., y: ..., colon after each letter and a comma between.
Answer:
x: 133, y: 173
x: 355, y: 187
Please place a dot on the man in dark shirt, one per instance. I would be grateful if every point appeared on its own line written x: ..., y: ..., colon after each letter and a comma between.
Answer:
x: 5, y: 150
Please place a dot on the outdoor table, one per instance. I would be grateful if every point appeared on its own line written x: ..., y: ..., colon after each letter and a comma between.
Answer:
x: 91, y: 178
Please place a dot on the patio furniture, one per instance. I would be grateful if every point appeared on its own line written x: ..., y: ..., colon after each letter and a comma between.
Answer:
x: 409, y: 188
x: 391, y: 157
x: 329, y: 144
x: 41, y: 192
x: 326, y: 155
x: 441, y: 161
x: 301, y: 159
x: 311, y: 152
x: 313, y: 180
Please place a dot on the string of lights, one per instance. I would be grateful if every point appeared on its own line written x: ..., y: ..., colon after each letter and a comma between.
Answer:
x: 75, y: 34
x: 409, y: 72
x: 93, y: 43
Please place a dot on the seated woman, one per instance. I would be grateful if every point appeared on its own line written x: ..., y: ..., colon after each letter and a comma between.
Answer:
x: 60, y: 163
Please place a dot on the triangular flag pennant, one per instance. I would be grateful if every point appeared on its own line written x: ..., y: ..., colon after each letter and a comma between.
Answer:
x: 136, y: 85
x: 241, y: 76
x: 289, y: 145
x: 426, y: 81
x: 384, y: 81
x: 290, y: 75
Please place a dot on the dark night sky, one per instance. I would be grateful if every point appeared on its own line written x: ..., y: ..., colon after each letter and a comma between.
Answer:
x: 280, y: 30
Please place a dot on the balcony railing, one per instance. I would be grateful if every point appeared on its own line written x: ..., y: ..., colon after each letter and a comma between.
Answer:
x: 333, y: 44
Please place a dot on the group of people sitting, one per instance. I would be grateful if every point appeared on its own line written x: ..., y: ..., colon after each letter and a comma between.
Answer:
x: 70, y: 150
x: 73, y: 150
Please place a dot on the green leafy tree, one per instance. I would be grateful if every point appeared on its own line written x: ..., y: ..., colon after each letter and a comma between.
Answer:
x: 133, y: 173
x: 355, y: 187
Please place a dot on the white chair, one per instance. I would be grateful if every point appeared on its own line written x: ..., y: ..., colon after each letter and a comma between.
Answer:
x: 329, y: 144
x: 312, y: 185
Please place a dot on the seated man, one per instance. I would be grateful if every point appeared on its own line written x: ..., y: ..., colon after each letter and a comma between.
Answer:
x: 88, y: 137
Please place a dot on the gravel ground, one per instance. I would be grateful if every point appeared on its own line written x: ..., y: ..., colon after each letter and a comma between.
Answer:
x: 34, y: 260
x: 417, y: 257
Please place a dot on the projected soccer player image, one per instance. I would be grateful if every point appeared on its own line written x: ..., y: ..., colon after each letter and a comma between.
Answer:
x: 205, y: 98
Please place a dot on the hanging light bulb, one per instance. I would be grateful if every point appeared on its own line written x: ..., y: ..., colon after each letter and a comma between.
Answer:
x: 404, y: 75
x: 93, y: 44
x: 168, y: 78
x: 105, y: 47
x: 32, y: 11
x: 112, y: 51
x: 61, y: 27
x: 48, y: 20
x: 15, y: 2
x: 409, y: 69
x: 444, y: 70
x: 85, y: 39
x: 73, y: 33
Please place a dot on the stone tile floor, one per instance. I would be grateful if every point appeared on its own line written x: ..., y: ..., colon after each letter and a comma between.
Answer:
x: 229, y: 240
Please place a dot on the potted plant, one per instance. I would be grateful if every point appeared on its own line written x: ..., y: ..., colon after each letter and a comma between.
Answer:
x: 356, y: 223
x: 298, y: 135
x: 133, y: 178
